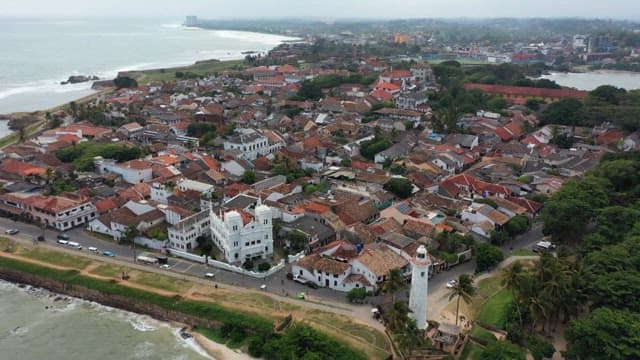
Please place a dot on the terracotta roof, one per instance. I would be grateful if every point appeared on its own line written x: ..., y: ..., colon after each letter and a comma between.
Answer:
x: 52, y: 204
x: 139, y: 164
x: 528, y: 91
x: 105, y: 205
x: 381, y: 95
x: 421, y: 228
x: 21, y: 168
x: 88, y: 130
x: 316, y: 208
x: 357, y: 278
x: 380, y: 259
x: 386, y: 86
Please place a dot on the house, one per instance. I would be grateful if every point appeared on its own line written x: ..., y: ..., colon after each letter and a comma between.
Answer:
x: 484, y: 218
x: 242, y: 236
x: 131, y: 131
x: 22, y: 169
x: 133, y: 172
x: 317, y: 233
x: 375, y: 262
x: 396, y: 151
x: 249, y: 143
x: 60, y: 212
x: 411, y: 100
x: 142, y: 219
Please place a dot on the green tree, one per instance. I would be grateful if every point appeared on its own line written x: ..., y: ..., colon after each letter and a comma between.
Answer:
x: 400, y: 187
x: 604, y: 334
x: 249, y: 177
x: 517, y: 225
x: 357, y: 294
x: 394, y: 281
x: 502, y: 350
x: 512, y: 279
x: 563, y: 112
x: 487, y: 256
x: 463, y: 289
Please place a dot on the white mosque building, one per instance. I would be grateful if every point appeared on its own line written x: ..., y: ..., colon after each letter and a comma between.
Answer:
x: 242, y: 235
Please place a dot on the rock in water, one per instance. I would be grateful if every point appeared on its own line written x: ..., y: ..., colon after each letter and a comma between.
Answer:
x: 74, y: 79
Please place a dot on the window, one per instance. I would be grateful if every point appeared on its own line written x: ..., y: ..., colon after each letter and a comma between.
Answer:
x: 335, y: 283
x: 422, y: 274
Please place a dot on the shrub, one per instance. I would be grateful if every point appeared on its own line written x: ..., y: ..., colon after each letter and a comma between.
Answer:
x: 264, y: 266
x: 540, y: 348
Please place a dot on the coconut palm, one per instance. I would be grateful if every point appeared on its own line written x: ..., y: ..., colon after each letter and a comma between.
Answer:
x: 395, y: 281
x: 512, y: 279
x: 464, y: 289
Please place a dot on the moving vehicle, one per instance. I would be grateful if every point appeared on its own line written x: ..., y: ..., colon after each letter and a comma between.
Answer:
x: 301, y: 295
x: 299, y: 279
x: 451, y: 283
x: 40, y: 238
x: 63, y: 236
x: 108, y: 253
x: 62, y: 242
x: 210, y: 275
x: 165, y: 266
x: 74, y: 245
x: 12, y: 231
x: 92, y: 249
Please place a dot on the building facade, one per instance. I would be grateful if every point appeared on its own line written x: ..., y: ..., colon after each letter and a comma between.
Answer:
x: 242, y: 236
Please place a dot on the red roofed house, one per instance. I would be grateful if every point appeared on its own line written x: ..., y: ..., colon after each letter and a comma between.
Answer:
x: 387, y: 86
x: 465, y: 185
x: 22, y: 169
x: 61, y: 212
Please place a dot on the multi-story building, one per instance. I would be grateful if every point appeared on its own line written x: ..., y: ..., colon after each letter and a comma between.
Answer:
x: 183, y: 234
x: 59, y: 211
x: 249, y: 143
x: 241, y: 235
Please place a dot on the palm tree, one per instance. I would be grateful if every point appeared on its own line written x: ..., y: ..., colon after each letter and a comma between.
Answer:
x: 512, y: 277
x: 538, y: 309
x: 395, y: 281
x: 464, y: 289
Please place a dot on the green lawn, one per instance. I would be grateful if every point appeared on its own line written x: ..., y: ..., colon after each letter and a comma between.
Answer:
x: 162, y: 282
x: 489, y: 286
x: 494, y: 310
x: 109, y: 270
x: 471, y: 351
x: 483, y: 334
x: 522, y: 252
x: 55, y: 258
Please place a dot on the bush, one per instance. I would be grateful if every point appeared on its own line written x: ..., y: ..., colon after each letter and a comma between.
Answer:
x: 487, y: 256
x: 255, y: 345
x: 248, y: 265
x: 264, y: 266
x: 540, y: 348
x: 400, y: 187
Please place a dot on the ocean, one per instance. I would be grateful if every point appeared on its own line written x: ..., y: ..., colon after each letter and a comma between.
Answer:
x: 36, y: 324
x: 38, y: 54
x: 591, y: 80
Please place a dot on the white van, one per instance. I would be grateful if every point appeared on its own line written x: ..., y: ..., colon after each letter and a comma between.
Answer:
x: 63, y: 242
x: 93, y: 249
x: 543, y: 246
x: 74, y: 245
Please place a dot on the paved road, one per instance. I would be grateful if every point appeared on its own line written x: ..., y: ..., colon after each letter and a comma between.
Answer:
x: 276, y: 283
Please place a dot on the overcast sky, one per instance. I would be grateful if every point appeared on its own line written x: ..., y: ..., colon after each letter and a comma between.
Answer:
x: 322, y: 8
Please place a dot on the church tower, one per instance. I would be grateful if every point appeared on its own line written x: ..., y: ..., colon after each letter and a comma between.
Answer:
x: 418, y: 297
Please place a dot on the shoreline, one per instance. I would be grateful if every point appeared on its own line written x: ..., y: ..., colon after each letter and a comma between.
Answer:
x: 199, y: 344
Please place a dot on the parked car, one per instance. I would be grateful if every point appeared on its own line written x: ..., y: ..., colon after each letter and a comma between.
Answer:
x: 299, y: 279
x: 12, y: 231
x: 74, y: 245
x: 165, y: 266
x: 108, y: 253
x: 210, y: 275
x: 312, y: 285
x: 289, y: 276
x: 451, y: 283
x: 63, y: 236
x: 40, y: 238
x: 92, y: 249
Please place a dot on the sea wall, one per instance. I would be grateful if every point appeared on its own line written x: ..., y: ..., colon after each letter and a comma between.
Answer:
x: 116, y: 301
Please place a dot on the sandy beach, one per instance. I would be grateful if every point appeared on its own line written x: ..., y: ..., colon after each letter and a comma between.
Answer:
x: 219, y: 351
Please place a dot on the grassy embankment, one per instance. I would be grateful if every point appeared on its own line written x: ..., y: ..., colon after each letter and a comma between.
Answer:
x: 200, y: 68
x: 366, y: 340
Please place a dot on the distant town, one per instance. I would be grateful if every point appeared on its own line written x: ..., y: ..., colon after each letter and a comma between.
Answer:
x: 355, y: 165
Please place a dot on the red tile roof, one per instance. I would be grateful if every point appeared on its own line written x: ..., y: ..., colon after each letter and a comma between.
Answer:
x: 386, y: 86
x: 105, y: 205
x: 21, y: 168
x: 528, y: 91
x: 382, y: 95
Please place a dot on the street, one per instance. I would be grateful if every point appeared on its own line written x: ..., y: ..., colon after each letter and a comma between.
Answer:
x: 276, y: 283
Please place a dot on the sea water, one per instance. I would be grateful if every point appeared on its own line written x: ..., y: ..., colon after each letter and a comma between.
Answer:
x: 37, y: 54
x: 37, y: 324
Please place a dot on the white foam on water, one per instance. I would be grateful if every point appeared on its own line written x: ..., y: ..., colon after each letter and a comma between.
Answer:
x: 142, y: 323
x: 192, y: 344
x: 19, y: 331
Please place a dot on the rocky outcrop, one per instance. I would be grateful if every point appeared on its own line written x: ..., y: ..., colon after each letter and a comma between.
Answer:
x: 102, y: 84
x: 116, y: 301
x: 74, y: 79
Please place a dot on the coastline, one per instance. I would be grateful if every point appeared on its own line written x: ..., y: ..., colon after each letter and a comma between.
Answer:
x: 217, y: 350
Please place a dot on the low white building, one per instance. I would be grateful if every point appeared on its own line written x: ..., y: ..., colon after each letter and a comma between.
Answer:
x: 243, y: 236
x: 133, y: 172
x: 250, y: 143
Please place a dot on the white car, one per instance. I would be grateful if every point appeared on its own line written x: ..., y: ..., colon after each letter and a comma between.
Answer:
x: 451, y: 283
x: 93, y: 249
x: 210, y: 275
x: 165, y: 266
x: 12, y: 231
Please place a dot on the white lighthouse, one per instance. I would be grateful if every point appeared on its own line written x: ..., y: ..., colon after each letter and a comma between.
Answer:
x: 418, y: 297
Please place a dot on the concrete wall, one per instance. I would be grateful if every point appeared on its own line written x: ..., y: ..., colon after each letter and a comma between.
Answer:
x: 228, y: 267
